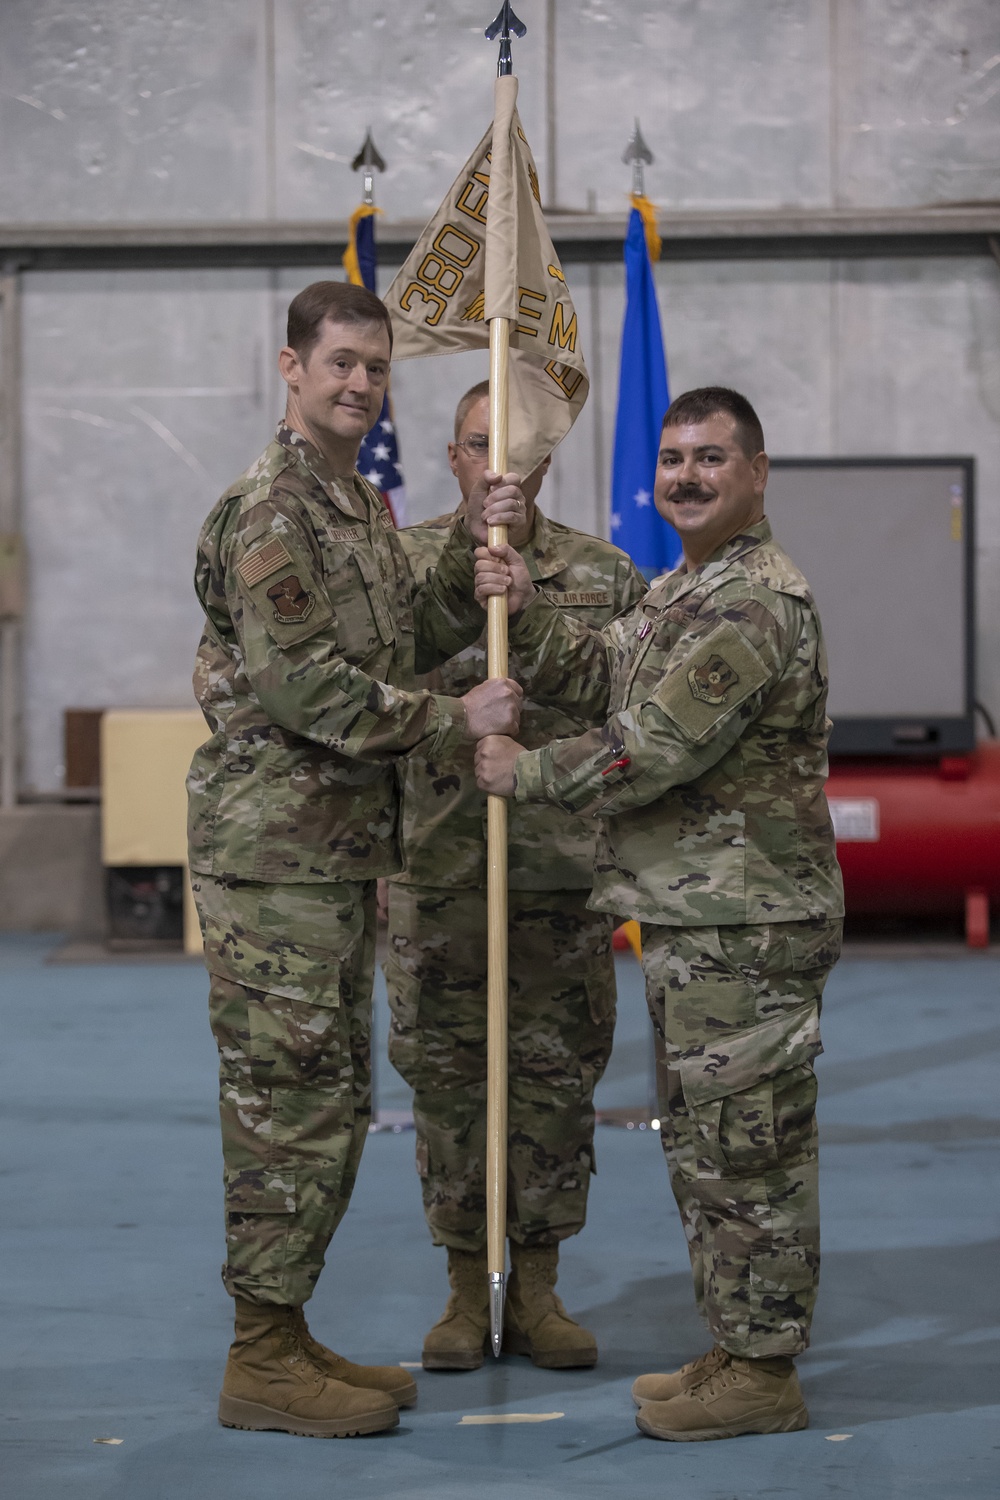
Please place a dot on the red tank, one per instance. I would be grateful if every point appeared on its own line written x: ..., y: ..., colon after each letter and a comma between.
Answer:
x: 921, y: 838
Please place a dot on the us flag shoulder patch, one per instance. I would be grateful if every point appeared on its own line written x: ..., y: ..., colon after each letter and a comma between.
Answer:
x: 263, y: 562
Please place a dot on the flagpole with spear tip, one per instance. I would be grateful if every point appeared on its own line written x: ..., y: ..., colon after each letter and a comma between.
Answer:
x: 489, y: 238
x: 639, y: 154
x: 496, y: 815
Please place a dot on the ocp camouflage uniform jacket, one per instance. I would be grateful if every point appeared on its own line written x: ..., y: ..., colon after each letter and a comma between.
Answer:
x: 707, y: 776
x: 312, y: 619
x: 444, y: 813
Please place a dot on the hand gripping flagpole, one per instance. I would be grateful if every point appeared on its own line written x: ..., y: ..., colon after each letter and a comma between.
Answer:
x: 496, y: 818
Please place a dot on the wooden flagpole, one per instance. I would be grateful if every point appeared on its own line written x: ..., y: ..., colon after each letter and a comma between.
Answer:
x: 496, y: 885
x: 496, y: 818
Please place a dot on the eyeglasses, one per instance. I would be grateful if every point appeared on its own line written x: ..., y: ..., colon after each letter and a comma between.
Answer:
x: 476, y: 445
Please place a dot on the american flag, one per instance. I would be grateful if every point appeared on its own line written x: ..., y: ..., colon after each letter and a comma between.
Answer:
x: 378, y: 460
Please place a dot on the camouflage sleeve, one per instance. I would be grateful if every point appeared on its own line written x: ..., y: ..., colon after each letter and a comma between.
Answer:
x: 445, y: 613
x: 288, y: 637
x: 713, y: 685
x: 630, y: 586
x: 563, y: 661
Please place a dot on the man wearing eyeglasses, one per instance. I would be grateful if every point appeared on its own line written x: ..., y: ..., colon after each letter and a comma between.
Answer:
x: 562, y: 986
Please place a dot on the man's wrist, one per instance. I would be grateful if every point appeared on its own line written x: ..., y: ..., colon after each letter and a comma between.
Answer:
x: 529, y: 780
x: 513, y: 619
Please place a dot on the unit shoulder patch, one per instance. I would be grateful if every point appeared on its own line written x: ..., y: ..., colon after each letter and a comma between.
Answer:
x: 291, y: 601
x: 711, y: 680
x: 263, y: 561
x: 721, y: 672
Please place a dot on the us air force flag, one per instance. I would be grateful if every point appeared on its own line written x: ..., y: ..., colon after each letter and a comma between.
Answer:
x: 642, y: 399
x: 487, y: 254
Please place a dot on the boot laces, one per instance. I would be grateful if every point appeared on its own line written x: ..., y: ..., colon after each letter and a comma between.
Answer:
x: 717, y: 1377
x: 294, y: 1351
x: 706, y: 1364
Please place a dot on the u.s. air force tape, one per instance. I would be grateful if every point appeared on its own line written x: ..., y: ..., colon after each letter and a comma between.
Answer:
x: 578, y: 598
x: 263, y: 562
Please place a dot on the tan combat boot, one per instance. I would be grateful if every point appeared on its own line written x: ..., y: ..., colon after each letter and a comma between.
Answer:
x: 457, y: 1339
x: 663, y: 1387
x: 392, y: 1379
x: 272, y: 1385
x: 536, y: 1323
x: 737, y: 1397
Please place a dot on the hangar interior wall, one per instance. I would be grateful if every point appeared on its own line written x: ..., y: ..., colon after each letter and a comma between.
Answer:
x: 146, y: 392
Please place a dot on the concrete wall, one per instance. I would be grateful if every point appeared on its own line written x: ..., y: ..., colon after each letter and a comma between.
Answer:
x: 51, y: 878
x: 146, y: 392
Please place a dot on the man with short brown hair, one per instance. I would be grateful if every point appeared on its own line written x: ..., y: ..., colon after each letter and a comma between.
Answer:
x: 705, y: 775
x: 313, y: 630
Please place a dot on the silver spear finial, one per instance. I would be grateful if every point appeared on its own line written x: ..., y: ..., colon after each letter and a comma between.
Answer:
x: 369, y: 158
x: 503, y: 23
x: 638, y: 153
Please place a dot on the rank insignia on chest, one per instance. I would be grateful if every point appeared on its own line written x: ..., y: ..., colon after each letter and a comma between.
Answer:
x: 265, y: 560
x: 710, y: 682
x: 291, y: 601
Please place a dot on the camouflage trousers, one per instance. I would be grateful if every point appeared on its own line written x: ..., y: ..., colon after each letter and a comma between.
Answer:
x: 735, y: 1014
x: 561, y: 1013
x: 291, y: 971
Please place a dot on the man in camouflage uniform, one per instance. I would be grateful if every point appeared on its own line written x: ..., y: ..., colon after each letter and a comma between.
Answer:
x: 312, y: 620
x: 562, y: 984
x: 706, y: 776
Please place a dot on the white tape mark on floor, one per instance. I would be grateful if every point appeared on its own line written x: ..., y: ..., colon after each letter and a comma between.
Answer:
x: 510, y: 1416
x: 839, y: 1437
x: 410, y: 1364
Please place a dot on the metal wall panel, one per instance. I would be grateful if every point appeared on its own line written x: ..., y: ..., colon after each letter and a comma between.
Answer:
x: 420, y: 74
x: 112, y: 111
x: 145, y: 396
x: 917, y: 101
x: 733, y: 100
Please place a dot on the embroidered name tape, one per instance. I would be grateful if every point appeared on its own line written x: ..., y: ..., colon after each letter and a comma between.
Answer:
x: 345, y: 533
x: 575, y: 598
x: 386, y: 520
x: 263, y: 562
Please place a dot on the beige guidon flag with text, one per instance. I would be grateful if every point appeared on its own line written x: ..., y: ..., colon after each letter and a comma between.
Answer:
x: 487, y: 254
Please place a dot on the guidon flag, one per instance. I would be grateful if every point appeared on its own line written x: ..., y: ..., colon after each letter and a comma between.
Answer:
x: 487, y: 253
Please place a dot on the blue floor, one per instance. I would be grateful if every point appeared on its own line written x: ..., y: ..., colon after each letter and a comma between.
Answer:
x: 115, y: 1325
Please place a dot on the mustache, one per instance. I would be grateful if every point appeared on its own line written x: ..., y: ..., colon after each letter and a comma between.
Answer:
x: 685, y: 493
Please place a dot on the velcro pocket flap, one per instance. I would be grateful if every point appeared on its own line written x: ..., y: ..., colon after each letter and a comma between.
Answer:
x: 715, y: 678
x: 746, y: 1058
x: 289, y: 970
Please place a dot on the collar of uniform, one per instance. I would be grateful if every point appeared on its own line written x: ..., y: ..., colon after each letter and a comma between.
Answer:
x: 540, y: 553
x: 340, y: 491
x: 722, y: 558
